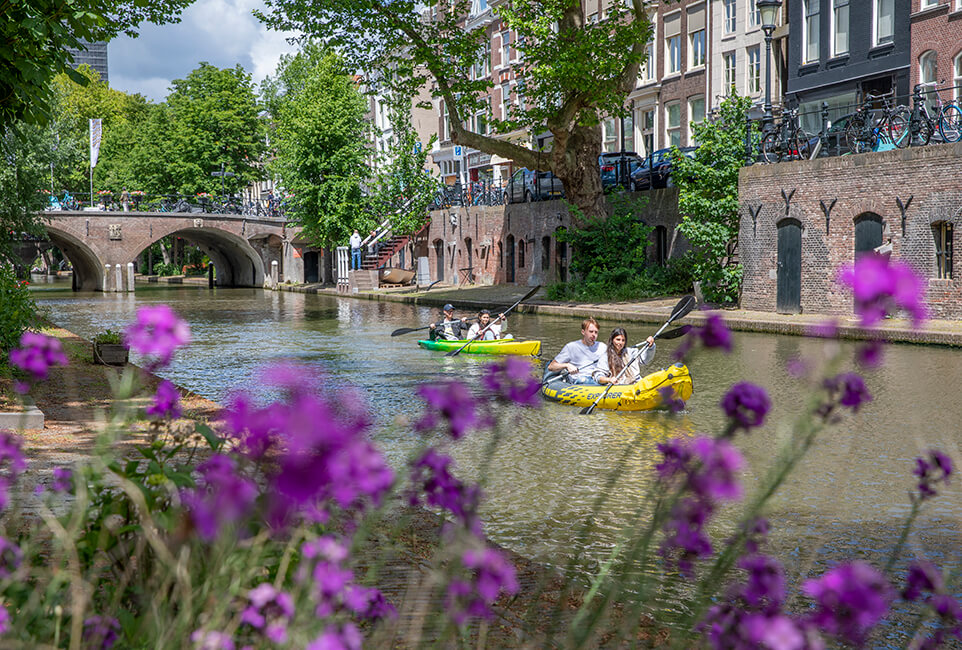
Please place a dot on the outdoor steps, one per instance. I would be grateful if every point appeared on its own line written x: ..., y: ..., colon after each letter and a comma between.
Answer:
x: 363, y: 280
x: 388, y: 249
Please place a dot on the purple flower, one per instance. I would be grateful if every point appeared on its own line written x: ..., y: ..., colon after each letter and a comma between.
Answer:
x: 454, y: 403
x: 765, y: 587
x: 923, y: 577
x: 4, y: 620
x: 166, y: 404
x: 62, y: 479
x: 824, y: 329
x: 101, y: 632
x: 10, y: 557
x: 869, y: 353
x: 850, y: 599
x: 338, y: 637
x: 368, y: 603
x: 714, y: 333
x: 513, y: 381
x: 211, y: 640
x: 156, y: 333
x: 849, y: 389
x: 685, y: 537
x: 882, y: 287
x: 490, y: 575
x: 37, y: 353
x: 669, y: 399
x: 221, y: 496
x: 269, y: 611
x: 746, y: 405
x: 935, y: 469
x: 431, y: 475
x: 714, y: 476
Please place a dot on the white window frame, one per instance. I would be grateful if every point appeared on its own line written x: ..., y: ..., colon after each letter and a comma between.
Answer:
x: 673, y: 63
x: 730, y: 20
x: 669, y: 129
x: 445, y: 122
x: 753, y: 70
x: 840, y: 7
x: 928, y: 4
x: 648, y: 128
x: 810, y: 14
x: 957, y: 77
x: 505, y: 48
x: 609, y: 134
x: 929, y: 93
x: 878, y: 39
x: 693, y: 51
x: 730, y: 73
x: 754, y: 15
x: 691, y: 114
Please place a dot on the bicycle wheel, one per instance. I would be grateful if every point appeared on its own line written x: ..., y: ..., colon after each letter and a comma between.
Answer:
x: 898, y: 129
x: 769, y: 147
x: 925, y: 132
x: 950, y: 123
x: 853, y: 137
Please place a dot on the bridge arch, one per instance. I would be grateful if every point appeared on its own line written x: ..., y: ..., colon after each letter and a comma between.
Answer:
x: 236, y: 261
x: 88, y: 270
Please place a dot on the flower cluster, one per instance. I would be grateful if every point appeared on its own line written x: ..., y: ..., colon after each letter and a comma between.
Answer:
x: 430, y: 475
x: 490, y: 575
x: 935, y: 469
x: 36, y: 355
x: 62, y: 479
x: 333, y: 583
x: 882, y: 288
x: 706, y: 469
x: 713, y: 333
x: 850, y: 599
x: 10, y: 557
x: 513, y: 381
x: 156, y: 333
x: 846, y: 389
x: 166, y: 403
x: 101, y: 632
x: 453, y: 402
x: 746, y: 405
x: 268, y: 611
x: 670, y: 400
x: 222, y: 496
x: 925, y: 583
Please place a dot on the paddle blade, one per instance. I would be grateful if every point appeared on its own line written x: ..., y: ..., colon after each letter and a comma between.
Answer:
x: 675, y: 333
x: 682, y: 309
x: 404, y: 330
x: 587, y: 410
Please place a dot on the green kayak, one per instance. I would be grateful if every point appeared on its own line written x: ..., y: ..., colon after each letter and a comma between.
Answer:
x: 501, y: 346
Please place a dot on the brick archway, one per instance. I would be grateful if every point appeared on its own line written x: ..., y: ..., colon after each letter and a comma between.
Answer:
x: 88, y: 270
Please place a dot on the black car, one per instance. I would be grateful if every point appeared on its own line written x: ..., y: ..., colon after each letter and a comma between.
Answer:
x: 655, y: 171
x: 527, y: 185
x: 617, y: 167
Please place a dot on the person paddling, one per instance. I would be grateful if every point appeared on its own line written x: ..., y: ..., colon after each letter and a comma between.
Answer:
x: 581, y: 358
x: 494, y: 330
x: 448, y: 328
x: 620, y: 354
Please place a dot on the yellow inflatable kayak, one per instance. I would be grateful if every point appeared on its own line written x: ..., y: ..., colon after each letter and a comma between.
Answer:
x: 500, y: 346
x: 643, y: 395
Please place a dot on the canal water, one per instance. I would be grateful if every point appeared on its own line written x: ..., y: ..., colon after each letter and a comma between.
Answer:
x: 847, y: 499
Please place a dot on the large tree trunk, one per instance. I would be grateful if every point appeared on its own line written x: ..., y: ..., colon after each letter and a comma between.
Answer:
x: 575, y: 161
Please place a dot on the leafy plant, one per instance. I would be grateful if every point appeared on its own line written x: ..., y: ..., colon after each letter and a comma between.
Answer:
x: 165, y: 269
x: 18, y: 311
x: 109, y: 336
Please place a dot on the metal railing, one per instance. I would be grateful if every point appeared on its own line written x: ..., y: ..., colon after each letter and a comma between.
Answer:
x: 270, y: 208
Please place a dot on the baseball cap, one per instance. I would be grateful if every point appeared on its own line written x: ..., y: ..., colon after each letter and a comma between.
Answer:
x: 486, y: 311
x: 448, y: 307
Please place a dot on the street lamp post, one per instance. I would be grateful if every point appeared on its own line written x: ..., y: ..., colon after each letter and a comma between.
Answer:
x: 769, y: 11
x: 223, y: 175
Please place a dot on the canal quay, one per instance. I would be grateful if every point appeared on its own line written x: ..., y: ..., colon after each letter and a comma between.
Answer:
x: 847, y: 499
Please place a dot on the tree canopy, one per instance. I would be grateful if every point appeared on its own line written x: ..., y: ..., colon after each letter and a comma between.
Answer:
x: 319, y: 142
x: 35, y: 35
x: 574, y: 71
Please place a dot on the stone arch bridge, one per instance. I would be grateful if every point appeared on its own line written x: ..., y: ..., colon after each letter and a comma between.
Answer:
x: 240, y: 247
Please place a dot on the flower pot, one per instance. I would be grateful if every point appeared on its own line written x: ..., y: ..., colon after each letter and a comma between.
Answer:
x: 110, y: 354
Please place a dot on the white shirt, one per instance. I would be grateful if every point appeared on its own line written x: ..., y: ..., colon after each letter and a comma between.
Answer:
x: 492, y: 333
x: 355, y: 241
x: 584, y: 357
x: 633, y: 373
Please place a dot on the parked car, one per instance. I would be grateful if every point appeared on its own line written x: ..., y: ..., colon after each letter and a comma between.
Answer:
x: 835, y: 140
x: 655, y: 170
x: 528, y: 185
x: 617, y: 168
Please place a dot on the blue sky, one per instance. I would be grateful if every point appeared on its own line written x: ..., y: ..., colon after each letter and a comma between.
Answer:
x: 221, y: 32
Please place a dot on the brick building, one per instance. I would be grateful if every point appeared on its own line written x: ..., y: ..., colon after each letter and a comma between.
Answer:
x: 803, y: 221
x: 937, y: 45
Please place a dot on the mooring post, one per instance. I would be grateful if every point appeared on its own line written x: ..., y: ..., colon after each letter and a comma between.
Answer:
x: 106, y: 287
x: 210, y: 276
x: 118, y: 278
x: 130, y: 276
x: 274, y: 274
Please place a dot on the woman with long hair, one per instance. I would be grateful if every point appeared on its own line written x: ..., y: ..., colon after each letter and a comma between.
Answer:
x: 619, y: 354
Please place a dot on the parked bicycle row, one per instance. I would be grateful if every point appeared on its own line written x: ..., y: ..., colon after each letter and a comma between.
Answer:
x: 269, y: 207
x: 932, y: 114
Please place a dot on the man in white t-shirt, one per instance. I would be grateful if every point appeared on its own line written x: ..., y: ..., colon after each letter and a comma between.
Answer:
x: 494, y: 330
x: 356, y: 250
x: 581, y: 358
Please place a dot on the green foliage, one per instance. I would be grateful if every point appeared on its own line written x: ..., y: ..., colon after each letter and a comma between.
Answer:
x: 649, y: 282
x: 17, y: 310
x: 35, y: 36
x: 109, y: 336
x: 164, y: 270
x: 319, y: 138
x: 26, y: 152
x: 708, y: 199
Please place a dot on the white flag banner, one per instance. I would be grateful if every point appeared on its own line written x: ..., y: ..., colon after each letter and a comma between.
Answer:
x: 95, y: 133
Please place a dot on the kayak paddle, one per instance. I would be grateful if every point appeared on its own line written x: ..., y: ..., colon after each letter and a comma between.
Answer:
x: 684, y: 306
x: 407, y: 330
x: 455, y: 353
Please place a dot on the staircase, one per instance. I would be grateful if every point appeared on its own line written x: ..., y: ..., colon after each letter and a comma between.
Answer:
x: 392, y: 245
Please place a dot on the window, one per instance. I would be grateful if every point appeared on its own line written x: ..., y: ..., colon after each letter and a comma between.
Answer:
x: 810, y: 29
x: 673, y: 123
x: 593, y: 18
x: 730, y: 15
x: 731, y: 78
x: 697, y: 48
x: 754, y: 69
x: 943, y: 249
x: 928, y: 73
x: 648, y: 69
x: 505, y: 99
x: 754, y: 15
x: 648, y: 130
x: 505, y: 48
x: 445, y: 122
x: 957, y: 80
x: 929, y: 3
x: 884, y: 11
x: 519, y: 93
x: 696, y: 114
x: 521, y: 253
x: 610, y: 135
x: 839, y: 27
x: 673, y: 43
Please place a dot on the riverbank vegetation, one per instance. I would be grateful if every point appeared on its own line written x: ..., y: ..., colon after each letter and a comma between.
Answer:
x: 267, y: 528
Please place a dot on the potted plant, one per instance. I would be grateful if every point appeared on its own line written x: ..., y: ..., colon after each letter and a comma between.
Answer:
x: 109, y: 349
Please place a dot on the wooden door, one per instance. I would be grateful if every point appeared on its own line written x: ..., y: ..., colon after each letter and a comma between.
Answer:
x: 789, y: 284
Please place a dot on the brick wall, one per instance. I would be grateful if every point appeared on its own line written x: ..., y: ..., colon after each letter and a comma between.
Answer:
x: 927, y: 182
x: 937, y: 28
x: 531, y: 228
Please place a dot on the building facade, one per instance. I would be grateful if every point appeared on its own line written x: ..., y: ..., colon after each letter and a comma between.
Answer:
x: 936, y: 51
x: 94, y: 55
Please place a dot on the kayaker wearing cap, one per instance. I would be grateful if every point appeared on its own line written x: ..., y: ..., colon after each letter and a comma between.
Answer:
x: 449, y: 328
x: 495, y: 330
x: 581, y: 358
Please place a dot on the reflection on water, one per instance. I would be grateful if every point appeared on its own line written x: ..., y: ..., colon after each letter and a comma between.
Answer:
x: 552, y: 463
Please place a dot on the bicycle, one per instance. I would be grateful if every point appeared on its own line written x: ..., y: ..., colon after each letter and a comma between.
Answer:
x: 788, y: 140
x: 948, y: 119
x: 875, y: 129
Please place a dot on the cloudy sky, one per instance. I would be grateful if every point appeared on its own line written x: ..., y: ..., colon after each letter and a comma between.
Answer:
x: 221, y: 32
